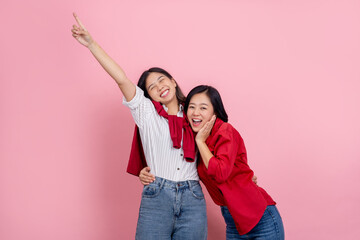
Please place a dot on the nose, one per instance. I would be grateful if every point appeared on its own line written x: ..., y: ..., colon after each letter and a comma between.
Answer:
x: 159, y: 87
x: 196, y: 112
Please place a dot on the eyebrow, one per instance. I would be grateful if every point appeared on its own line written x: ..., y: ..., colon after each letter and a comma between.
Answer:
x: 199, y: 104
x: 154, y: 82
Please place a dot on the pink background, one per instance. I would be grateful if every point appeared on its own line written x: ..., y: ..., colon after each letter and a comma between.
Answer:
x: 288, y: 71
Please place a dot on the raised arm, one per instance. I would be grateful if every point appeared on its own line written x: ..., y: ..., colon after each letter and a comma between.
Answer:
x: 111, y: 67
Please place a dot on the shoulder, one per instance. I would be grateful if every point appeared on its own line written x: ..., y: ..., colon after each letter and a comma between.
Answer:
x: 137, y: 100
x: 227, y: 128
x: 223, y: 130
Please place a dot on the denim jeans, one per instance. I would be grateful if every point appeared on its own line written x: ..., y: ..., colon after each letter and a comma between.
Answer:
x: 172, y: 211
x: 270, y: 226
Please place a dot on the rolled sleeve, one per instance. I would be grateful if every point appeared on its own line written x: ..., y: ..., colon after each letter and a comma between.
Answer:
x: 135, y: 102
x: 141, y: 107
x: 221, y: 164
x: 212, y: 166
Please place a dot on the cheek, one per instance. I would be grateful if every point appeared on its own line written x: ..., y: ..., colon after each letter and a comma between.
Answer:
x: 209, y: 116
x: 152, y: 95
x: 188, y: 114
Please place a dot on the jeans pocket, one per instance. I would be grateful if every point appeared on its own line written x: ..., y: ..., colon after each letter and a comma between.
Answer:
x: 196, y: 191
x: 151, y: 190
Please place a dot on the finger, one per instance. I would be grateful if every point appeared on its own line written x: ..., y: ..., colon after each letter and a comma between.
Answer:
x: 204, y: 128
x: 208, y: 126
x: 145, y: 181
x: 143, y: 170
x: 78, y: 31
x: 254, y: 179
x: 78, y: 21
x: 146, y: 175
x: 212, y: 120
x: 81, y: 32
x: 150, y: 180
x: 150, y: 177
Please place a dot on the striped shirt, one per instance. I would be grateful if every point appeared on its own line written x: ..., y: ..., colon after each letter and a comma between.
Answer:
x: 164, y: 160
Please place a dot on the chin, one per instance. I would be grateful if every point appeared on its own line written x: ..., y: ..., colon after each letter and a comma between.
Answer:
x: 196, y: 129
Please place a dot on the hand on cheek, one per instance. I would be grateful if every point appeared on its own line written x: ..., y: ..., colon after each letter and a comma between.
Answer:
x: 204, y: 132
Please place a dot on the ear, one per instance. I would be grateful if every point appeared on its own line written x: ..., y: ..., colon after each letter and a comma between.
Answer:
x: 174, y: 82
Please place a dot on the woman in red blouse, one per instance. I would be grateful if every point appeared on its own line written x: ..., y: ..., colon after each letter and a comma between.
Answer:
x: 249, y: 212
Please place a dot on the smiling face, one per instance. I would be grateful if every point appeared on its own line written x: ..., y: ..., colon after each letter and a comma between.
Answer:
x: 200, y: 111
x: 161, y: 88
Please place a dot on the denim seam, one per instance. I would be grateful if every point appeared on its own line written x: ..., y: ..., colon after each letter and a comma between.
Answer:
x: 157, y: 193
x: 275, y: 222
x: 192, y: 192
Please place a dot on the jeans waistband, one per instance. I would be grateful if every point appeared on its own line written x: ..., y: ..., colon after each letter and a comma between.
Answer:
x: 172, y: 184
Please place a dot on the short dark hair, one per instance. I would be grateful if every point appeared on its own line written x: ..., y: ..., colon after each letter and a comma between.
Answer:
x: 215, y: 100
x: 142, y: 83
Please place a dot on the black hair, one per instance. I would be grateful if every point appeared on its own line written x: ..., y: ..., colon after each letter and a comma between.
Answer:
x: 215, y: 100
x: 142, y: 83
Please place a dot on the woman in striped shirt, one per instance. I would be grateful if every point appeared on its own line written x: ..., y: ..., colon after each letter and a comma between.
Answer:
x: 172, y: 206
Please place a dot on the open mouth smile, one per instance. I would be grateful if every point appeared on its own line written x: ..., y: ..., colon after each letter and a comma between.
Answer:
x: 196, y: 122
x: 164, y: 93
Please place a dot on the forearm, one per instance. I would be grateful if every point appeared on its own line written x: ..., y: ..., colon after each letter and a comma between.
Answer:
x: 114, y: 70
x: 205, y: 153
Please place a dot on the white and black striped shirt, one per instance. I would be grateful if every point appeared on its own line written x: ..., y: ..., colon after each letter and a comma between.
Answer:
x: 163, y: 159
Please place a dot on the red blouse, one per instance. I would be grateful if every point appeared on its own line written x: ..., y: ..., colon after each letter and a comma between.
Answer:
x: 228, y: 178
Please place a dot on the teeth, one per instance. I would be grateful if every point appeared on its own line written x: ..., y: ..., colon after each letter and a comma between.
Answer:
x: 164, y: 93
x: 196, y: 120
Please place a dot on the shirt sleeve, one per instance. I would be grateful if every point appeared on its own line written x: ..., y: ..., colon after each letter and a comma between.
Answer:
x: 225, y: 151
x: 141, y: 107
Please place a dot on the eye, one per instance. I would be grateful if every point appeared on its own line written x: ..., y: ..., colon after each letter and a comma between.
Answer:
x: 191, y: 107
x: 203, y: 108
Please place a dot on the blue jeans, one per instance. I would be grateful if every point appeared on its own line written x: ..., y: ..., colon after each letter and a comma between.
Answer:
x: 270, y: 226
x: 172, y: 211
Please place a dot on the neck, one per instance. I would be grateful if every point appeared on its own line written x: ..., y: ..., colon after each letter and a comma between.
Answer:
x: 173, y: 107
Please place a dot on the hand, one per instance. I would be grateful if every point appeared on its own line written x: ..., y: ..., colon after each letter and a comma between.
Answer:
x: 204, y: 132
x: 146, y: 177
x: 254, y: 179
x: 80, y: 33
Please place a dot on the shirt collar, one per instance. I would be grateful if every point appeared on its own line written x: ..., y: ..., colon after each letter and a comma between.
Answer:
x: 181, y: 109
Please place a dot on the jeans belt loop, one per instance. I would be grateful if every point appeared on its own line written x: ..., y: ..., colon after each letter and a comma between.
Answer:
x: 189, y: 183
x: 162, y: 183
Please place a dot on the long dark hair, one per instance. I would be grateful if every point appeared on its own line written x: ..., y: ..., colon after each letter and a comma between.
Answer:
x: 142, y: 83
x: 215, y: 100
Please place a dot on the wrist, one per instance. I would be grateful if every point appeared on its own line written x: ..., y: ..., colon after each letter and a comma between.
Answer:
x: 92, y: 45
x: 200, y: 141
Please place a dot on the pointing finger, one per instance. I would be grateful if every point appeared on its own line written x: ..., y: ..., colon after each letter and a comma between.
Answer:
x: 78, y: 21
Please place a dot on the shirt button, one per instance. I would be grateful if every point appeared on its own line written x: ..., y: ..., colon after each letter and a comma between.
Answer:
x: 178, y: 168
x: 181, y: 154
